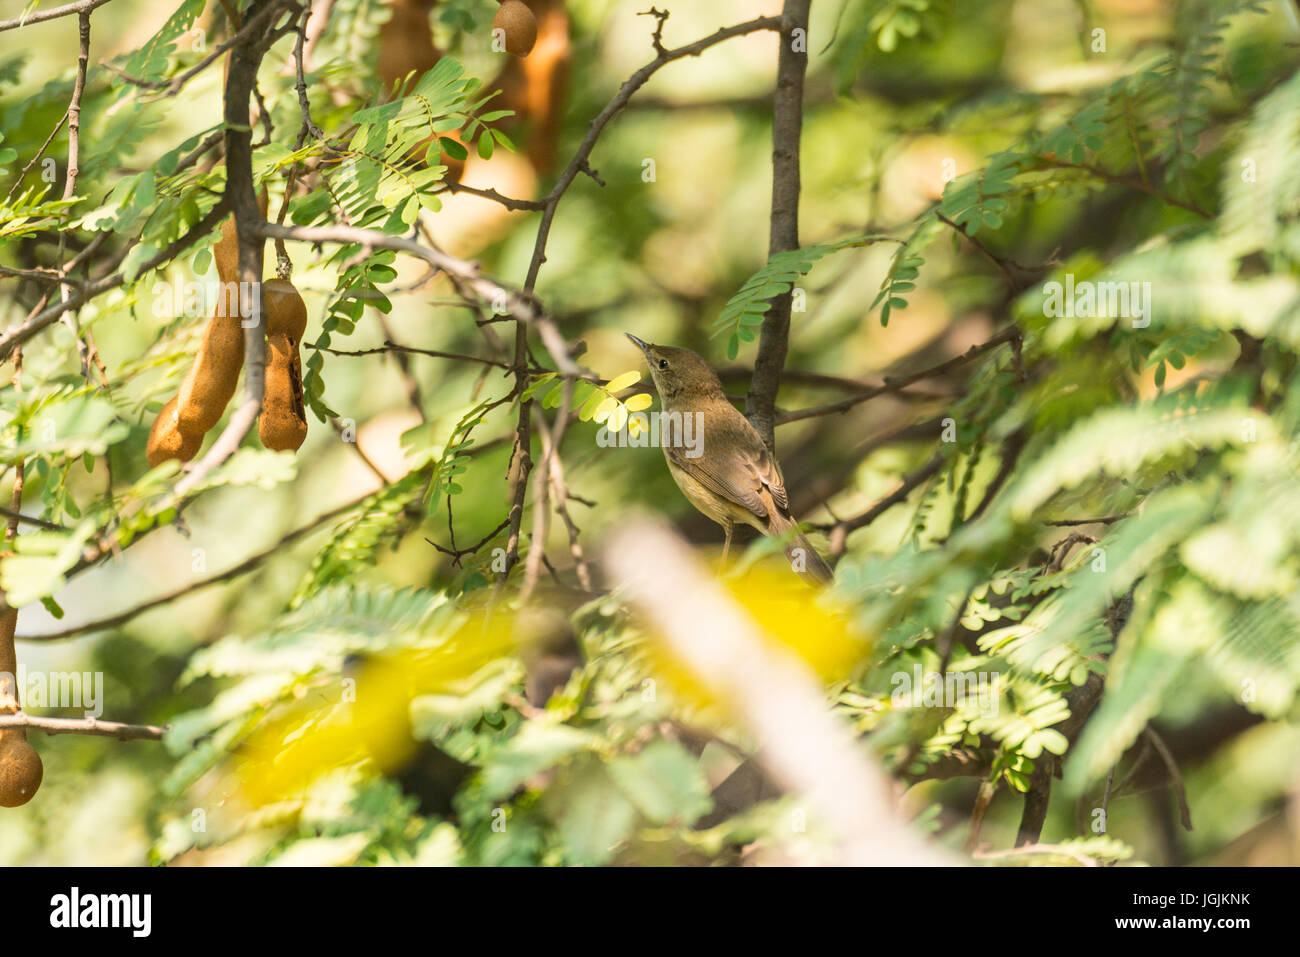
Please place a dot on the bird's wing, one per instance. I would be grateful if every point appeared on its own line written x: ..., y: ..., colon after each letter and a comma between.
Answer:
x: 735, y: 465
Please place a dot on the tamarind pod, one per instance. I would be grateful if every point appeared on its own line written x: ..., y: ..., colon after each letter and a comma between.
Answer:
x: 21, y: 770
x: 209, y: 385
x: 167, y: 441
x: 211, y: 380
x: 286, y: 313
x: 535, y: 87
x: 519, y: 25
x: 282, y: 423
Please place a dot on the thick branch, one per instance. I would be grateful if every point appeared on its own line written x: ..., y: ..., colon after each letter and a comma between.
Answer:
x: 787, y: 122
x: 241, y: 196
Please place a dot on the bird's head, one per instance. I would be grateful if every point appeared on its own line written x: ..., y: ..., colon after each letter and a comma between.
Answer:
x: 680, y: 375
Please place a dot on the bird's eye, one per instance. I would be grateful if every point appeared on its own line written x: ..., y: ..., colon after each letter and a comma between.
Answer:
x: 663, y: 363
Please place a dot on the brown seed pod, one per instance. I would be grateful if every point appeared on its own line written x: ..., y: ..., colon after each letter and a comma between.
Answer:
x: 282, y: 423
x: 535, y: 86
x: 519, y: 25
x: 20, y: 765
x: 211, y: 381
x: 167, y: 441
x: 21, y: 770
x: 207, y: 388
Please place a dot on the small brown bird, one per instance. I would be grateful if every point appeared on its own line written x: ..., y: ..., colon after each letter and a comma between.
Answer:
x: 730, y: 476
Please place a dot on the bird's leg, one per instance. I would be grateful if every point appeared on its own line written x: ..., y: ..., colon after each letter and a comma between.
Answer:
x: 726, y: 545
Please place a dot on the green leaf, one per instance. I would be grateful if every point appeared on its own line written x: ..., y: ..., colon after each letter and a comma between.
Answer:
x: 664, y: 782
x: 537, y: 747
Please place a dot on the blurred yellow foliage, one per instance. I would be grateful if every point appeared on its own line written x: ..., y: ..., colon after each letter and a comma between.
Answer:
x: 790, y: 614
x: 370, y: 717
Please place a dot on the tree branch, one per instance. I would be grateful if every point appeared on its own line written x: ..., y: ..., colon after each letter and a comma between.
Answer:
x: 19, y: 334
x: 241, y: 196
x: 40, y: 16
x: 896, y: 383
x: 519, y: 305
x: 787, y: 123
x: 247, y: 565
x: 94, y: 726
x: 841, y: 530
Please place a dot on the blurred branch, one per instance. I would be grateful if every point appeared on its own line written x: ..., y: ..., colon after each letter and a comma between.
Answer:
x: 1099, y: 173
x: 74, y: 170
x: 1004, y: 265
x: 1102, y: 520
x: 1171, y: 765
x: 1082, y: 701
x: 843, y: 383
x: 1012, y: 446
x: 810, y: 753
x: 18, y: 517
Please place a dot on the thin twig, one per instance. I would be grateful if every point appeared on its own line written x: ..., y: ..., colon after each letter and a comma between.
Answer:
x: 894, y: 383
x: 74, y: 170
x: 841, y: 530
x: 392, y: 347
x: 40, y: 16
x: 1175, y: 776
x: 247, y: 565
x: 518, y: 305
x: 18, y: 517
x: 1141, y: 187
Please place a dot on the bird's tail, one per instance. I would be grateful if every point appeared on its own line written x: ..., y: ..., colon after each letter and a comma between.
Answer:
x: 803, y: 557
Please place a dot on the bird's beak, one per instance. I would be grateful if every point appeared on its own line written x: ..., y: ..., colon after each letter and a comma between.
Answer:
x: 640, y: 343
